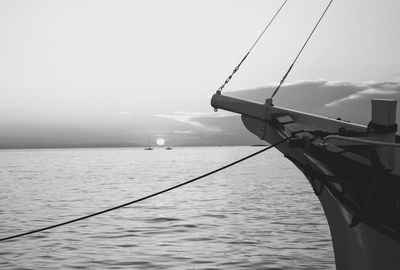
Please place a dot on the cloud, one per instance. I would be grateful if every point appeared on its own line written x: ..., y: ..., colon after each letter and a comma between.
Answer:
x: 346, y: 84
x: 183, y: 131
x: 366, y: 93
x: 192, y: 118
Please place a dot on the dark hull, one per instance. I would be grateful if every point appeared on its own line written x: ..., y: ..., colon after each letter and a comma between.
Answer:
x: 358, y: 190
x: 360, y: 246
x: 361, y: 238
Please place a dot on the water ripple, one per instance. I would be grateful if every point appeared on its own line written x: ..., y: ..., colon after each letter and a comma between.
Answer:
x: 261, y: 214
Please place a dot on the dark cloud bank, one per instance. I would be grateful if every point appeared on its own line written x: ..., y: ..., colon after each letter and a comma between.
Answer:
x: 349, y: 101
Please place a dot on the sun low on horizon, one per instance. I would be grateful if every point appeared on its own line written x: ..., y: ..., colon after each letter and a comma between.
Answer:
x: 160, y: 141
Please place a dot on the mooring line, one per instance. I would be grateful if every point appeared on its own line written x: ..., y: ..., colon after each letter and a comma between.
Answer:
x: 143, y: 198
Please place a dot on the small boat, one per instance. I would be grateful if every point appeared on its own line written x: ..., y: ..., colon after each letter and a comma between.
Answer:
x: 168, y: 148
x: 148, y: 148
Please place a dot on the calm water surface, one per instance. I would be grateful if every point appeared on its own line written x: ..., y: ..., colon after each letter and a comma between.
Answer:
x: 260, y: 214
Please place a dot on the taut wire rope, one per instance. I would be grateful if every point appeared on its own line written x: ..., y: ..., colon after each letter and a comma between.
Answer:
x: 301, y: 50
x: 252, y: 47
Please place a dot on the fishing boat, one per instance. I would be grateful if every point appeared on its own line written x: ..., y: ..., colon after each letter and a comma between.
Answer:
x: 353, y: 169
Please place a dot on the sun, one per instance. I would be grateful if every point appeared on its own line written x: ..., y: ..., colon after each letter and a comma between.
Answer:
x: 160, y: 141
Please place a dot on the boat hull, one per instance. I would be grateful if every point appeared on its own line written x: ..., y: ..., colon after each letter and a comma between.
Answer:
x: 360, y: 195
x: 360, y: 246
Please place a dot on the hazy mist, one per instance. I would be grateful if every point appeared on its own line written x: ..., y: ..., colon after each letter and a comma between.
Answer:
x: 123, y: 73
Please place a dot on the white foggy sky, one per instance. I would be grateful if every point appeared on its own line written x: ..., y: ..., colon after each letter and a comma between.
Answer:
x: 86, y: 61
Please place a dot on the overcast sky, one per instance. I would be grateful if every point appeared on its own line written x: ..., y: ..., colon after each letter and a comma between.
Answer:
x: 120, y: 65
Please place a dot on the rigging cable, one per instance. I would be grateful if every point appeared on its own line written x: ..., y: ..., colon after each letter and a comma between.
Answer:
x: 247, y: 54
x: 143, y: 198
x: 301, y: 50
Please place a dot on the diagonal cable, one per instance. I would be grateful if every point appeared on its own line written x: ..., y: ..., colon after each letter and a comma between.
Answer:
x: 143, y: 198
x: 247, y: 54
x: 301, y: 50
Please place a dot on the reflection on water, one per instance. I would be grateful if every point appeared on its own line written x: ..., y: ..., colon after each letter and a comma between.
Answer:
x: 260, y: 214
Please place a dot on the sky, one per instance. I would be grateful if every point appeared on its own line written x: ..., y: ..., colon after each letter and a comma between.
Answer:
x: 97, y: 72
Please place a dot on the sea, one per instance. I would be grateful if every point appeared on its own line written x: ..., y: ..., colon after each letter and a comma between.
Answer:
x: 259, y: 214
